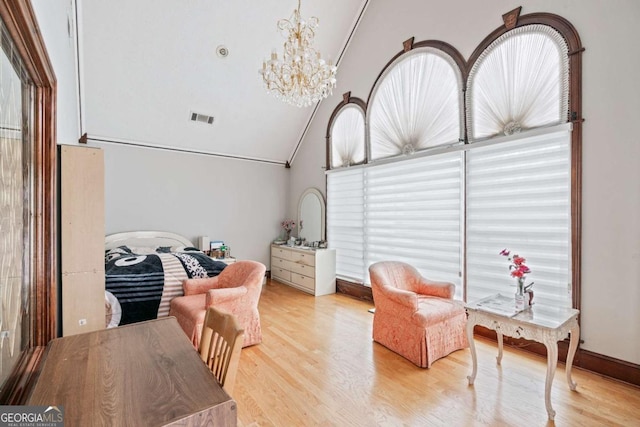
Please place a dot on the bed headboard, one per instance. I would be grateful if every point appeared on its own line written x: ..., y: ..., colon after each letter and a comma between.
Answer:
x: 145, y: 238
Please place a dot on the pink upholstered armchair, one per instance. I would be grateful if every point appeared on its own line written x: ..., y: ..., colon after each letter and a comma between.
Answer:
x: 236, y: 290
x: 415, y: 317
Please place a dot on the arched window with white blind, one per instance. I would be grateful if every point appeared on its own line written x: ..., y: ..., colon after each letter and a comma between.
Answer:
x: 416, y: 104
x: 345, y: 203
x: 519, y: 82
x: 346, y: 136
x: 518, y: 187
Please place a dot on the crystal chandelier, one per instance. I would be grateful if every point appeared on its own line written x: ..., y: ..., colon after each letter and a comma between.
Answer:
x: 301, y: 77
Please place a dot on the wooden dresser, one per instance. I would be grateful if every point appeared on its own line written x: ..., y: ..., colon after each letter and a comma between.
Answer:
x: 312, y: 271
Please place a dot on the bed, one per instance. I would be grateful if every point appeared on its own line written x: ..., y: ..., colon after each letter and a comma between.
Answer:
x: 144, y: 270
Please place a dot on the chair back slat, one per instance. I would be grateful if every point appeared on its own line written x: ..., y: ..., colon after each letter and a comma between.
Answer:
x: 220, y: 346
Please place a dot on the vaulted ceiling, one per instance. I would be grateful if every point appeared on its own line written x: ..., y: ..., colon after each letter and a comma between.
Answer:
x: 146, y: 65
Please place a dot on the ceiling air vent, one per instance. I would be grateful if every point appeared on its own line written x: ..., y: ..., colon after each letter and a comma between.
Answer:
x: 202, y: 118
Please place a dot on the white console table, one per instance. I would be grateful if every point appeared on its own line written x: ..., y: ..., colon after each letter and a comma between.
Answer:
x: 546, y: 325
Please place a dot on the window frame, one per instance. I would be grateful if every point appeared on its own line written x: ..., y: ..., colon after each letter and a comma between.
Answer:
x: 20, y: 21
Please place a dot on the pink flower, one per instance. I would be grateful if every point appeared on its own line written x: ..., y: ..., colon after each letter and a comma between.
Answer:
x: 517, y: 260
x: 517, y: 267
x: 288, y: 224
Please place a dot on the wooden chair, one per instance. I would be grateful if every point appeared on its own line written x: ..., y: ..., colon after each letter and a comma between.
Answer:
x: 220, y: 346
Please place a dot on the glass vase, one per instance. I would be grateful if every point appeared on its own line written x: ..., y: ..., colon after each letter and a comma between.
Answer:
x: 521, y: 300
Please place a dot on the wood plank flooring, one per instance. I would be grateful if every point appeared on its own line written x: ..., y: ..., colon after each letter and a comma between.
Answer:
x: 318, y: 366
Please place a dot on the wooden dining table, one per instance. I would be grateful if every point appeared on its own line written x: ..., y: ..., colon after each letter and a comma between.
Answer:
x: 143, y: 374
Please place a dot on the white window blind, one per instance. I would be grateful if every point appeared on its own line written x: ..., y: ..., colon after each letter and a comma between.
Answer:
x: 412, y: 214
x: 347, y: 137
x: 518, y: 197
x: 521, y: 81
x: 416, y: 104
x: 345, y: 221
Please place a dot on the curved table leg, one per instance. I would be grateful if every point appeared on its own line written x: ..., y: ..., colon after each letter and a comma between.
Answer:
x: 472, y: 347
x: 552, y: 362
x: 499, y: 336
x: 573, y: 345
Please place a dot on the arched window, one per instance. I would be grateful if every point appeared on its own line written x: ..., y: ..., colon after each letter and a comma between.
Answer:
x: 415, y: 104
x: 345, y: 211
x: 519, y: 189
x: 519, y: 82
x: 346, y: 136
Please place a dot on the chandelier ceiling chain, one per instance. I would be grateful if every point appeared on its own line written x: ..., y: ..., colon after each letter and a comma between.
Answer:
x: 301, y: 77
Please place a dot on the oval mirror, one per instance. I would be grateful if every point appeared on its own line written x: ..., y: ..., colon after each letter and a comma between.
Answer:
x: 311, y: 215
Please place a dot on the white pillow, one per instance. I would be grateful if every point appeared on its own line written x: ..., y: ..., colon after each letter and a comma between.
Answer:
x: 113, y: 311
x: 185, y: 249
x: 142, y: 250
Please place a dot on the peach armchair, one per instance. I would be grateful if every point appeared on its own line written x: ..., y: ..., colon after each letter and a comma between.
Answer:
x: 236, y: 290
x: 415, y: 317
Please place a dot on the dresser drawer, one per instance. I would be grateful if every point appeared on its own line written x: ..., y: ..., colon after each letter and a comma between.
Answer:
x: 303, y: 258
x: 280, y: 263
x: 305, y: 270
x: 281, y: 253
x: 279, y: 273
x: 304, y: 281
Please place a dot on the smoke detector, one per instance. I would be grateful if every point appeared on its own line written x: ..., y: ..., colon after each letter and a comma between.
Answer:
x: 222, y: 51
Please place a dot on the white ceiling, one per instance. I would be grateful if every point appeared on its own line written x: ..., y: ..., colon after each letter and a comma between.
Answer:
x: 146, y: 64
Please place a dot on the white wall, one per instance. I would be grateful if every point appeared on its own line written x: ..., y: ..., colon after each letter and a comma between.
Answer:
x: 611, y: 150
x: 154, y: 61
x: 240, y: 202
x: 56, y: 19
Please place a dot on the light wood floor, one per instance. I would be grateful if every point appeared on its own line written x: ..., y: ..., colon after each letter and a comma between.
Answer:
x: 317, y: 365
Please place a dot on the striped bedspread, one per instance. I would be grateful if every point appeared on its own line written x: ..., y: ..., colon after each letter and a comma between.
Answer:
x: 141, y: 285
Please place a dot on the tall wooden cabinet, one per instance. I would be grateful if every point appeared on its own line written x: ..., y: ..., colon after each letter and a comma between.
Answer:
x: 81, y: 239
